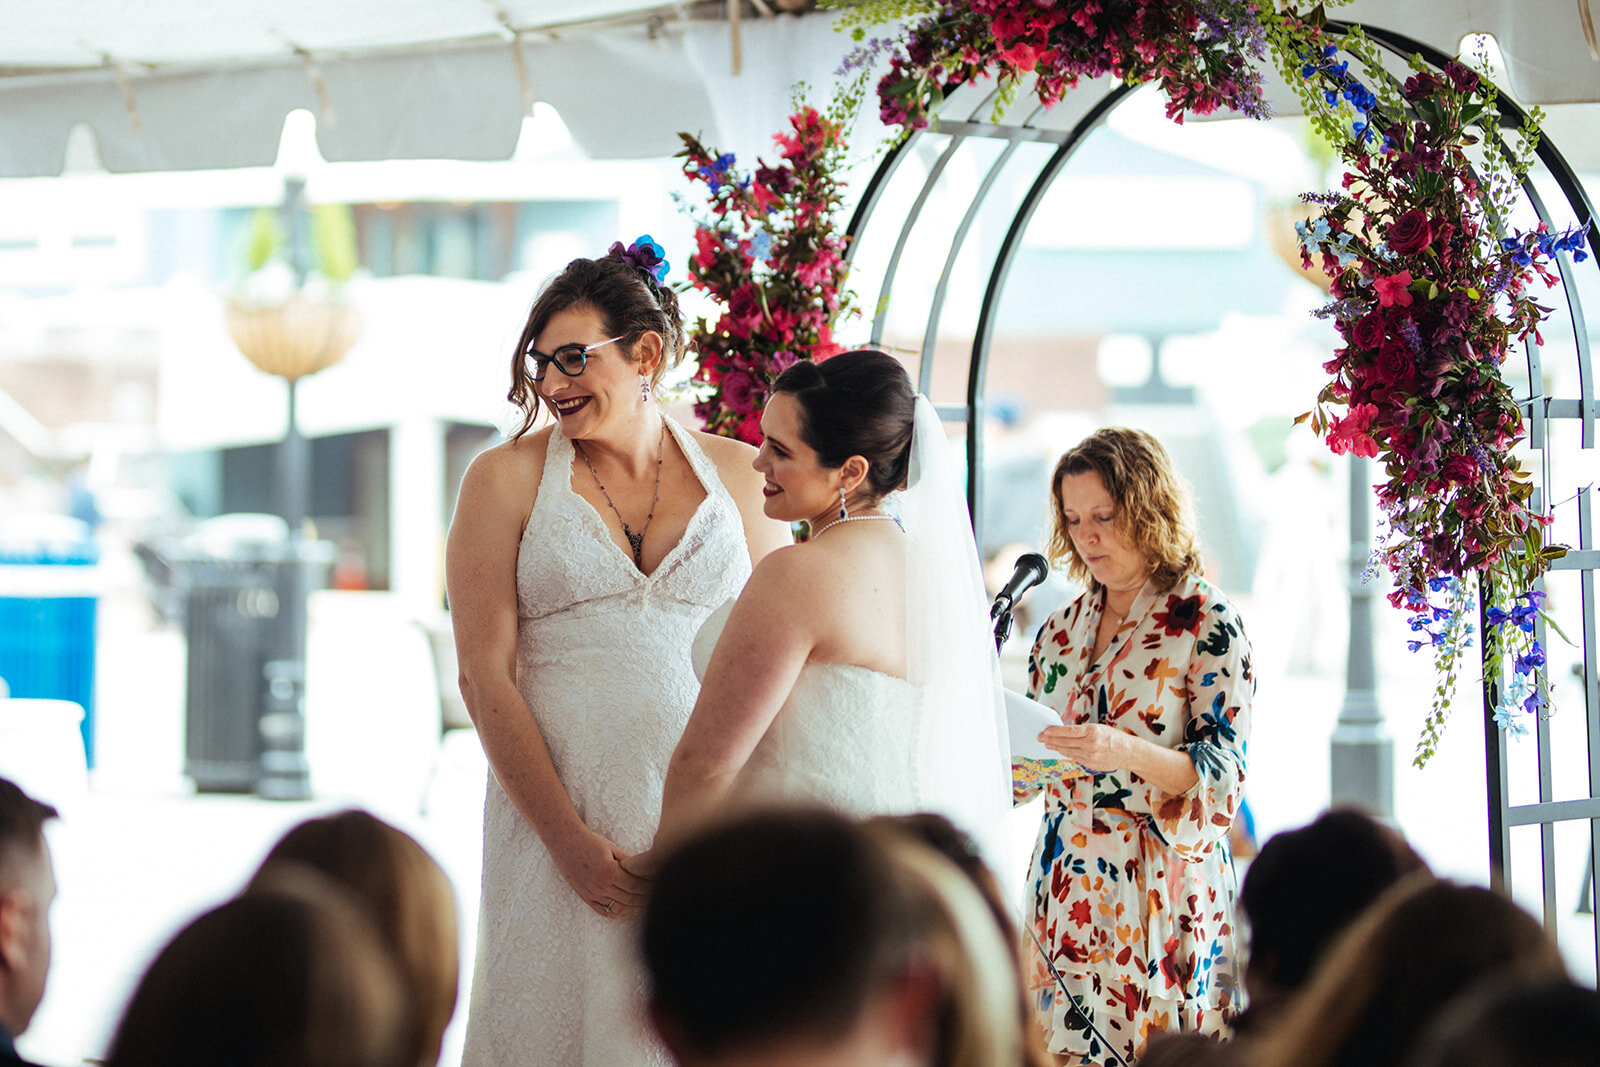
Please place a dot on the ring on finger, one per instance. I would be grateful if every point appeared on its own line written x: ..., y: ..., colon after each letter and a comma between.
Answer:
x: 608, y: 905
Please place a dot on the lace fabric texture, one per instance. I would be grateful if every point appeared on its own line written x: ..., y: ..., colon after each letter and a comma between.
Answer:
x: 603, y: 662
x: 869, y: 743
x: 846, y: 737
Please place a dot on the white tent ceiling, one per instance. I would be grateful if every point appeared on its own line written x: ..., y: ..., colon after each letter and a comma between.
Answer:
x: 191, y: 84
x: 188, y: 84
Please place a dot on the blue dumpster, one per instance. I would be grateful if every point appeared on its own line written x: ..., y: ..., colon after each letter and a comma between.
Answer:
x: 49, y: 601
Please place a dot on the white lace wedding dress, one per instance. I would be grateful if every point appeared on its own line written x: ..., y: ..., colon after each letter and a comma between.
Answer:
x: 603, y: 661
x: 846, y: 737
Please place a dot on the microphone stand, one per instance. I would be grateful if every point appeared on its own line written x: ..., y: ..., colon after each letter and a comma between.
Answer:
x: 1003, y: 621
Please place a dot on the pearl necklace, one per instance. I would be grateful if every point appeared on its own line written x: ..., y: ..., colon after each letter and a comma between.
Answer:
x: 825, y: 527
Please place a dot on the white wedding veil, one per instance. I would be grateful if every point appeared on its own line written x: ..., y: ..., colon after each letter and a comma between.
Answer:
x: 950, y: 653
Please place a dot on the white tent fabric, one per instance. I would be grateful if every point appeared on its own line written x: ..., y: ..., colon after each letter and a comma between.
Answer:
x: 190, y: 84
x: 186, y: 86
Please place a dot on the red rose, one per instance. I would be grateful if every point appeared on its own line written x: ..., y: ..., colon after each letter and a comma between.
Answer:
x: 1410, y: 233
x: 745, y: 305
x: 739, y: 391
x: 1394, y: 363
x: 1368, y: 331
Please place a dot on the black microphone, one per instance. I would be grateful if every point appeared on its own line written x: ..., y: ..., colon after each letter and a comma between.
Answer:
x: 1031, y: 569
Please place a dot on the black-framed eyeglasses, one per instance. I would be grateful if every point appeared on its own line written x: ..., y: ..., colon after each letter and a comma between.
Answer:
x: 568, y: 359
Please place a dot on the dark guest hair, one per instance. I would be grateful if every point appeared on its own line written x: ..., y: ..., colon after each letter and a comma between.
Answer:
x: 1504, y: 1021
x: 629, y: 302
x: 1383, y: 981
x: 1306, y: 885
x: 856, y: 404
x: 726, y: 975
x: 22, y: 820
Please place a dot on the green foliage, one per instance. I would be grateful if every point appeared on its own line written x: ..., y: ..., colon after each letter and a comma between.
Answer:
x: 264, y: 240
x: 855, y: 16
x: 333, y: 242
x: 1447, y: 670
x: 334, y: 252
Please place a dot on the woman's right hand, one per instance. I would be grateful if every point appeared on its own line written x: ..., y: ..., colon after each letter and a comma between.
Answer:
x: 592, y: 866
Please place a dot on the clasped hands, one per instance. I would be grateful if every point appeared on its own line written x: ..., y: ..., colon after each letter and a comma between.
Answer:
x: 613, y: 883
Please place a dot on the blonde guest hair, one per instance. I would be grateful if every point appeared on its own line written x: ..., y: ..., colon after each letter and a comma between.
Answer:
x: 978, y: 1023
x: 1417, y: 947
x: 960, y: 851
x: 406, y: 896
x: 289, y: 974
x: 1152, y: 506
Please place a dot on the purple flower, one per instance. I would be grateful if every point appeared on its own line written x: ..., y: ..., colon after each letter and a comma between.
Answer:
x: 644, y: 254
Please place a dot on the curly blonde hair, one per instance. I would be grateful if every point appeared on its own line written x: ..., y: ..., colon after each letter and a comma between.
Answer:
x: 1152, y: 505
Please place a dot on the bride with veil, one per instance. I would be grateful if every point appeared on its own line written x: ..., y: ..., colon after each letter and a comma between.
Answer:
x: 855, y: 670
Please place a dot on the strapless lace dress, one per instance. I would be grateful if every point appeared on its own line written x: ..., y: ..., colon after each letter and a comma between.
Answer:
x: 603, y: 662
x: 847, y: 737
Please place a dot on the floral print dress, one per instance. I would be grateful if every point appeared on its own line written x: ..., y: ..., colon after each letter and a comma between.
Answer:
x: 1132, y: 888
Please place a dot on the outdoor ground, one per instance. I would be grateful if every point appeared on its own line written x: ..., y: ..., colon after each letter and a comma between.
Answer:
x: 139, y: 854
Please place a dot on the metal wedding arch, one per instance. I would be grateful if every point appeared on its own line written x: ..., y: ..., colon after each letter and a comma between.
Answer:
x: 1530, y: 801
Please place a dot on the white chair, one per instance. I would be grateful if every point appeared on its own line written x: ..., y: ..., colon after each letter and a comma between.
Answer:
x: 41, y: 749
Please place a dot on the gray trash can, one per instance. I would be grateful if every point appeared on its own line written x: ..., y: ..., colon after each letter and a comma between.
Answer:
x: 238, y: 640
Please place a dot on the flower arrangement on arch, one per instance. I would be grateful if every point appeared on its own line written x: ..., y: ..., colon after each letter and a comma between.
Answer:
x: 1429, y: 294
x: 1431, y: 288
x: 1198, y: 50
x: 772, y: 255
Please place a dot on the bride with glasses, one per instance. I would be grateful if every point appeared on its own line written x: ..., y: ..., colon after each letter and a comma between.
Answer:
x: 582, y: 559
x: 857, y: 669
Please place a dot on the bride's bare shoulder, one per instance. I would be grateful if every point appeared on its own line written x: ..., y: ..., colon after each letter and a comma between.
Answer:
x: 510, y: 471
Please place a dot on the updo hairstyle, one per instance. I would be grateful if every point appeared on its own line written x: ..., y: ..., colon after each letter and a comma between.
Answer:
x: 1152, y: 505
x: 856, y: 404
x: 630, y: 303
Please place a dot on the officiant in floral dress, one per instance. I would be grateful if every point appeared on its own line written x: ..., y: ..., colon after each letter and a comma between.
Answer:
x: 1132, y: 884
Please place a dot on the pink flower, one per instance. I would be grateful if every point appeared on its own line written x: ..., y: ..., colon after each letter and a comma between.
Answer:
x: 739, y: 391
x: 1392, y: 289
x: 1350, y: 434
x: 1021, y: 55
x: 745, y: 306
x: 763, y: 196
x: 1461, y: 469
x: 707, y: 246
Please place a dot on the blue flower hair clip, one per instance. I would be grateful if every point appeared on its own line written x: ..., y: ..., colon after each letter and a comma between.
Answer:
x: 643, y: 254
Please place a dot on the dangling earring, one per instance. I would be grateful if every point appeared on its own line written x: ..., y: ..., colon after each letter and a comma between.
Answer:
x: 843, y: 512
x: 644, y: 390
